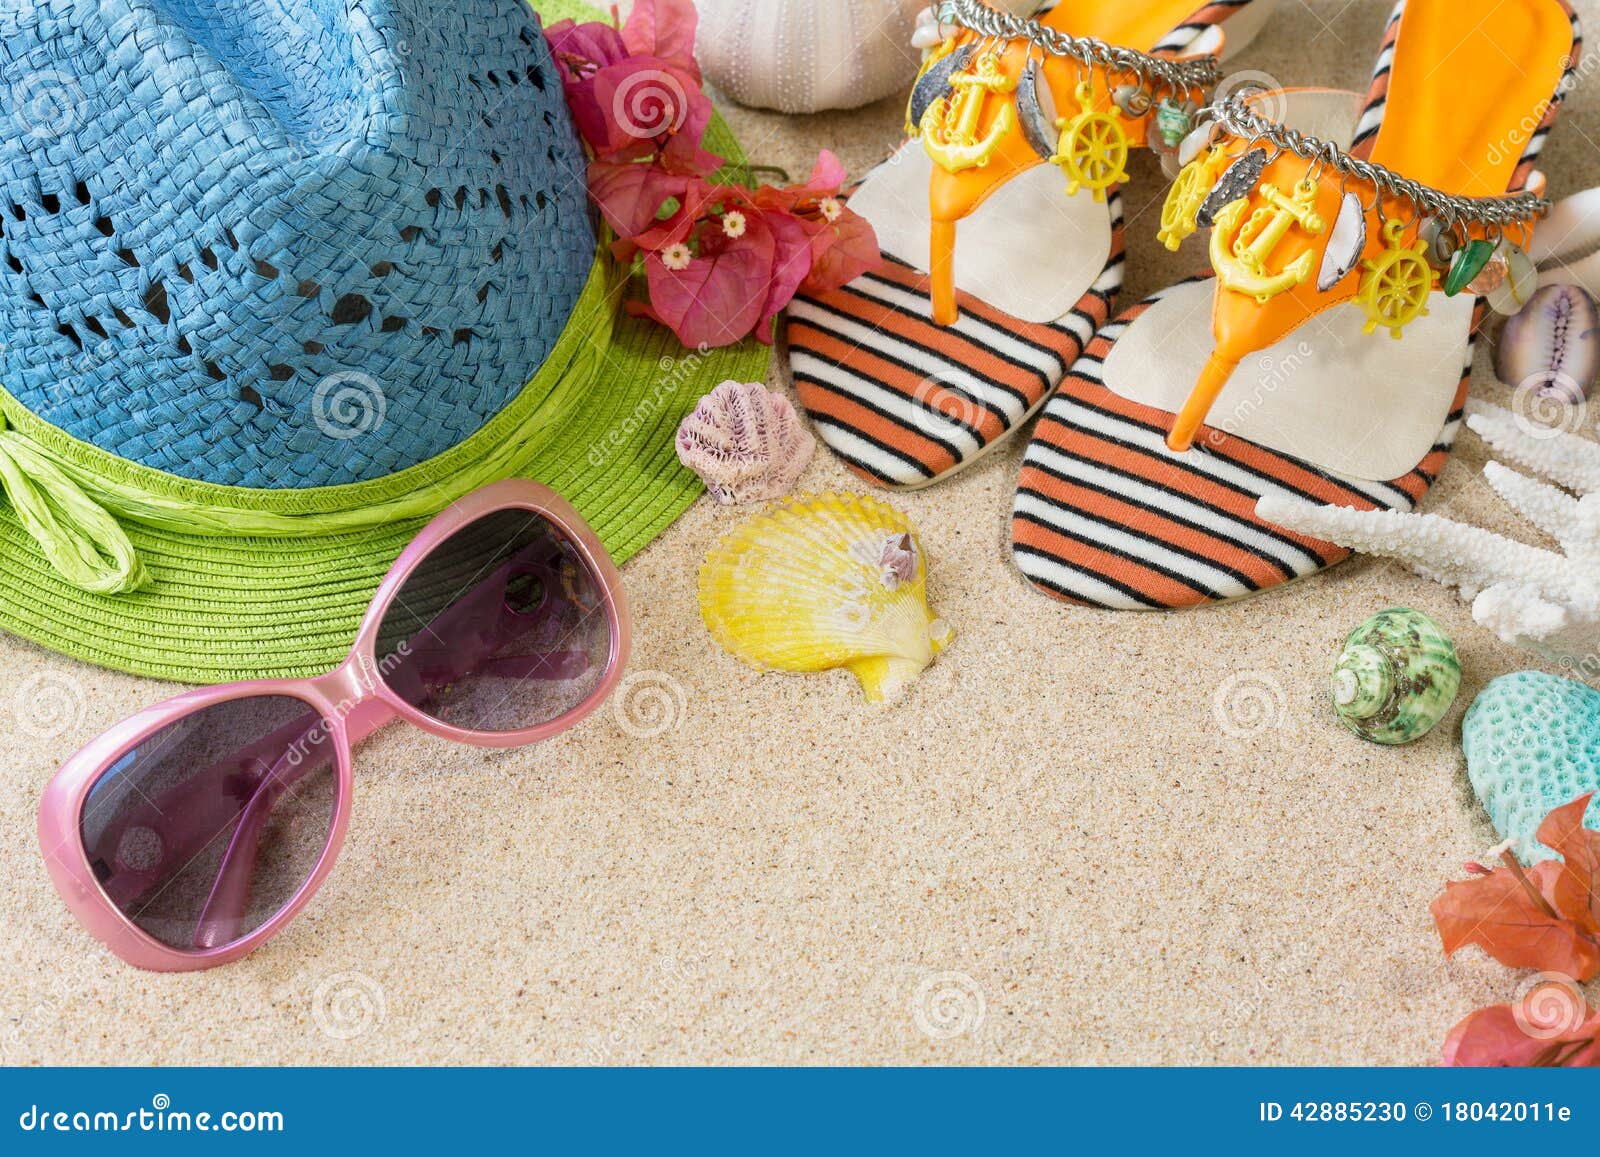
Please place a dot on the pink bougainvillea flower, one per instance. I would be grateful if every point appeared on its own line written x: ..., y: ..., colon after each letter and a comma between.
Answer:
x: 664, y: 29
x: 627, y: 101
x: 644, y: 107
x: 791, y: 265
x: 719, y: 261
x: 841, y: 251
x: 842, y: 243
x: 581, y: 50
x: 722, y: 293
x: 631, y: 196
x: 647, y: 207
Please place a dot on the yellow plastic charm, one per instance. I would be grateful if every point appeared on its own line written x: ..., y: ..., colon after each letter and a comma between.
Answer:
x: 1093, y: 149
x: 950, y: 126
x: 1188, y: 193
x: 1395, y: 287
x: 1239, y: 252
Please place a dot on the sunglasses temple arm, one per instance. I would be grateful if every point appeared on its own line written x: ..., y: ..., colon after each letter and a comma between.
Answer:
x: 186, y: 829
x: 230, y: 894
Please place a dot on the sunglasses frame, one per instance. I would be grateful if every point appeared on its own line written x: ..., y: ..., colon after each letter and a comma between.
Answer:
x: 352, y: 701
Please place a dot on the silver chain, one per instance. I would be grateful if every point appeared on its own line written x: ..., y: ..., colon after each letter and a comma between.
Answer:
x: 1152, y: 71
x: 1235, y: 115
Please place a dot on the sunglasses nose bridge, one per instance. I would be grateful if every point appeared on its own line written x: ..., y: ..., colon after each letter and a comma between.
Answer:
x: 352, y: 689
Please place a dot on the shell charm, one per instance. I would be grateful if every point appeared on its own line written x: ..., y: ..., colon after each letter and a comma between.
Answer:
x: 933, y: 82
x: 1174, y: 121
x: 1552, y: 347
x: 1519, y: 284
x: 1134, y: 100
x: 1236, y: 181
x: 818, y: 583
x: 1396, y: 678
x: 745, y: 442
x: 1394, y: 290
x: 1345, y: 243
x: 1442, y: 243
x: 1036, y: 111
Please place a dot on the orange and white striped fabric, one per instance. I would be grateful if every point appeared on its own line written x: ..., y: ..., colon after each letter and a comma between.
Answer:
x: 1105, y: 515
x: 904, y: 401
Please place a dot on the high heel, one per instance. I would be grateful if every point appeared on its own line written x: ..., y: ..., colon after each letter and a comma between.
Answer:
x: 1140, y: 487
x: 918, y: 370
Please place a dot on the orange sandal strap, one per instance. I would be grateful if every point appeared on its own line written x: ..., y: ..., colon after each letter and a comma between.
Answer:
x: 985, y: 111
x: 1303, y: 199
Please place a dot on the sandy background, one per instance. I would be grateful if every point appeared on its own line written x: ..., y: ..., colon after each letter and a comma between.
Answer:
x: 1083, y: 837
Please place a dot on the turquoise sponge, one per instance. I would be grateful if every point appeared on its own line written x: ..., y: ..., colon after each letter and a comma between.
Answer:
x: 1533, y: 743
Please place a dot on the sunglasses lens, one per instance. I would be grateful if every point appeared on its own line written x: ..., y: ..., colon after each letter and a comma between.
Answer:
x: 209, y: 827
x: 501, y: 627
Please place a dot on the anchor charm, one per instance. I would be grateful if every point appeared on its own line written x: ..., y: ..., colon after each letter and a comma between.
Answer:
x: 950, y: 126
x: 1241, y: 263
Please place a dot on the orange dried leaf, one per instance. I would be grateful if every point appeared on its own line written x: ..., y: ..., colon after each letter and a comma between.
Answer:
x: 1496, y: 1036
x: 1496, y: 913
x: 1546, y: 918
x: 1576, y: 889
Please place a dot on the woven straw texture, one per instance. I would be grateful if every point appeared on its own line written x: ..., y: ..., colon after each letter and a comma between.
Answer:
x: 596, y: 423
x: 220, y: 218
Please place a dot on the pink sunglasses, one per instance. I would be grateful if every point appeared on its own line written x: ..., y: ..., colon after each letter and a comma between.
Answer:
x: 186, y: 836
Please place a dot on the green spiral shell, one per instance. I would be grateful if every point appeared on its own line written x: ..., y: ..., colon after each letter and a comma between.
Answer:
x: 1396, y: 678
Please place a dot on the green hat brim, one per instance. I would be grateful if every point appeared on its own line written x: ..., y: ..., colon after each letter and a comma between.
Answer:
x: 223, y: 607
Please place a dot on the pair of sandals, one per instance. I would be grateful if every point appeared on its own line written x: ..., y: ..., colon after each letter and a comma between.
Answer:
x: 1337, y: 221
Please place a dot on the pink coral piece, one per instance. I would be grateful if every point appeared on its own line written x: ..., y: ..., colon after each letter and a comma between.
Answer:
x: 745, y: 442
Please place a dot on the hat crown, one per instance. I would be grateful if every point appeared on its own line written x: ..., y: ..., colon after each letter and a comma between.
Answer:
x: 282, y: 243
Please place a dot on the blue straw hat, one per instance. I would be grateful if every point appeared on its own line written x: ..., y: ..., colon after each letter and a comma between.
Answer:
x: 280, y: 281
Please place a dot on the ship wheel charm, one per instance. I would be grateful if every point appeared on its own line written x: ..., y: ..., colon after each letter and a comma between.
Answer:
x: 1179, y: 215
x: 1093, y: 149
x: 1394, y: 290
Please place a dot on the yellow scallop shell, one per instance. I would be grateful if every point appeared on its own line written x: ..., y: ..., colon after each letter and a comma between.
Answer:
x: 816, y: 583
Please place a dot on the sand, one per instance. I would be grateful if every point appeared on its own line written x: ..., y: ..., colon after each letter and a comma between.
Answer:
x: 1051, y: 851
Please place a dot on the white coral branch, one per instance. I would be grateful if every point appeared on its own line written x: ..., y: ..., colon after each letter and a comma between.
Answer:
x: 1551, y: 510
x: 1564, y: 458
x: 1452, y: 553
x: 1537, y: 599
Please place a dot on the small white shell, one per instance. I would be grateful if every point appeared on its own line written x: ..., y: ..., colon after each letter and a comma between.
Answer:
x: 1345, y: 242
x: 1198, y: 141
